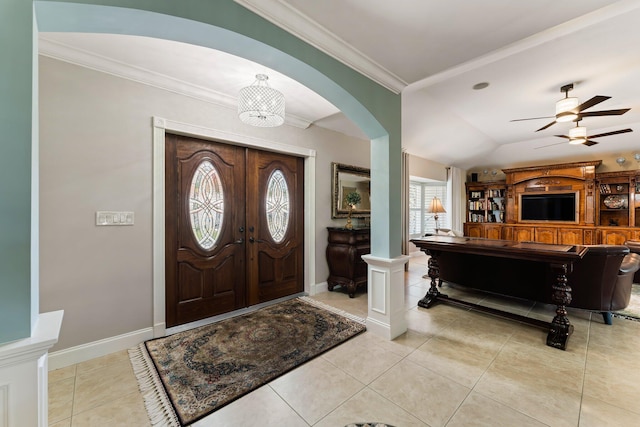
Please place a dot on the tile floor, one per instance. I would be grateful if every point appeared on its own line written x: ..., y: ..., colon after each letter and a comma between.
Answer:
x: 452, y: 368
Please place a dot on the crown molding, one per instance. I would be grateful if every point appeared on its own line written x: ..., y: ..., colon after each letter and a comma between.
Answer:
x: 86, y: 59
x: 296, y: 23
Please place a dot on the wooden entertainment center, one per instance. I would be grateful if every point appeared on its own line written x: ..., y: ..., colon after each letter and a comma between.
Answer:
x: 592, y: 208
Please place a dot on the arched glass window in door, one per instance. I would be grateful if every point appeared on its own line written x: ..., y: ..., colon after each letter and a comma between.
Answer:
x: 277, y: 206
x: 206, y: 205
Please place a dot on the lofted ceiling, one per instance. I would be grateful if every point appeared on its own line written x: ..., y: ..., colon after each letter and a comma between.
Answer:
x: 432, y: 52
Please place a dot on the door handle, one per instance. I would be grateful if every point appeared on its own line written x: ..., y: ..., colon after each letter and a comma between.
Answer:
x: 239, y: 241
x: 252, y: 240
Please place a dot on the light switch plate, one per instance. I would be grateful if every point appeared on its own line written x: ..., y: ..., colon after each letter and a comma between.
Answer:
x: 114, y: 218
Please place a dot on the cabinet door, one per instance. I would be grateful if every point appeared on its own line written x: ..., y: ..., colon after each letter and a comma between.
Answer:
x: 570, y: 236
x: 523, y: 234
x: 474, y: 230
x: 589, y: 237
x: 493, y: 231
x: 545, y: 235
x: 614, y: 237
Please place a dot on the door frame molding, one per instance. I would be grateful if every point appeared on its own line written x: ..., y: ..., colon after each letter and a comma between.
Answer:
x: 160, y: 127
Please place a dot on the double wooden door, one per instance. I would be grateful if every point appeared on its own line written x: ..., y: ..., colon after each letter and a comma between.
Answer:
x: 234, y: 227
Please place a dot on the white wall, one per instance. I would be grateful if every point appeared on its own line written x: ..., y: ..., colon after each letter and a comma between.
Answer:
x: 425, y: 168
x: 96, y: 154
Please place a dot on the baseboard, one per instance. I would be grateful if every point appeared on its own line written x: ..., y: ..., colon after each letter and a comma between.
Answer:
x: 82, y: 353
x: 318, y: 288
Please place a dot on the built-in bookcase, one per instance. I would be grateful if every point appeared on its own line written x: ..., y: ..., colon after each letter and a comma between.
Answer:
x: 619, y: 199
x: 486, y: 201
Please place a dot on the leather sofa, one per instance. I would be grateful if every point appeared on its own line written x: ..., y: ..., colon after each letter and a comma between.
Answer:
x: 601, y: 281
x: 634, y: 246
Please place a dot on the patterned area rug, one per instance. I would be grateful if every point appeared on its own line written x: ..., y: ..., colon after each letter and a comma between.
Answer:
x: 369, y: 425
x: 186, y: 376
x: 632, y: 312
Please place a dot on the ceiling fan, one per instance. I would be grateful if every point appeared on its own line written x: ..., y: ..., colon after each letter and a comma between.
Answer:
x: 578, y: 135
x: 568, y: 109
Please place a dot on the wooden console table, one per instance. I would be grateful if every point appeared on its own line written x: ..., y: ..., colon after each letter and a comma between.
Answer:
x: 559, y: 258
x: 344, y: 256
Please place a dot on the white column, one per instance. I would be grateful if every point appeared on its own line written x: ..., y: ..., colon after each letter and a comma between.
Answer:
x: 385, y: 292
x: 24, y: 374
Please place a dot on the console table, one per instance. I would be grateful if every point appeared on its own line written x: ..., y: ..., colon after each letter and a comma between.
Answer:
x: 559, y: 258
x: 344, y: 256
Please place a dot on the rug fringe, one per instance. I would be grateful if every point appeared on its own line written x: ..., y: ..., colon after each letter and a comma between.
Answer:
x: 335, y: 310
x: 159, y: 408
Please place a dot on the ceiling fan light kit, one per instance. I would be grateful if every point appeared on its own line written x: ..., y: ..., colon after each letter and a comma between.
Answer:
x: 578, y: 135
x: 260, y: 105
x: 566, y: 109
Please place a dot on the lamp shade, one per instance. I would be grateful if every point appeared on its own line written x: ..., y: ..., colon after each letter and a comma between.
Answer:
x: 578, y: 135
x: 259, y: 105
x: 436, y: 206
x: 566, y: 109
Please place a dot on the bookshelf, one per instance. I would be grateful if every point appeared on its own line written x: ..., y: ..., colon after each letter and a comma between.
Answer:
x: 486, y: 201
x: 619, y: 199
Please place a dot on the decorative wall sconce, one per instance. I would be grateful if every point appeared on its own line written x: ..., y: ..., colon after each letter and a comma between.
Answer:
x: 637, y: 157
x: 620, y: 161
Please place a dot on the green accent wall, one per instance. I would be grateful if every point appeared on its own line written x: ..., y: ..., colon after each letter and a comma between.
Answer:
x: 16, y: 37
x: 219, y: 24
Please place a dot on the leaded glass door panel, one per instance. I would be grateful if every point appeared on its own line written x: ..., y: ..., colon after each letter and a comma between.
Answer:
x: 205, y: 251
x: 234, y: 228
x: 275, y: 218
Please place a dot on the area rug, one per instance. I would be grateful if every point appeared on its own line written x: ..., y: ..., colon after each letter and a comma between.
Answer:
x: 632, y: 312
x: 369, y: 425
x: 186, y: 376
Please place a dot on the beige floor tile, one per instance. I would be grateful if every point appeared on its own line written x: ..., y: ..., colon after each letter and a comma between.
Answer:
x: 595, y: 413
x: 261, y: 407
x: 331, y: 387
x: 357, y: 306
x: 479, y: 335
x: 97, y: 386
x: 402, y: 345
x: 451, y: 359
x: 362, y: 362
x: 127, y: 410
x: 101, y: 362
x: 62, y: 373
x: 369, y: 406
x: 614, y: 384
x: 566, y: 372
x: 63, y: 423
x: 61, y: 399
x: 601, y: 357
x: 540, y: 397
x: 408, y: 342
x: 430, y: 397
x: 479, y: 411
x: 430, y: 321
x: 536, y: 339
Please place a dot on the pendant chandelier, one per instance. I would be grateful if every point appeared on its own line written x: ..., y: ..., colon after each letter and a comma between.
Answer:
x: 260, y: 105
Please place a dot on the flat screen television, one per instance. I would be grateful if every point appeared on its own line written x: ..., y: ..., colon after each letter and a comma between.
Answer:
x: 561, y: 207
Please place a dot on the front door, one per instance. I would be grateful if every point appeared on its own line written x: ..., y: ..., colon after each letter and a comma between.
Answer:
x: 234, y: 227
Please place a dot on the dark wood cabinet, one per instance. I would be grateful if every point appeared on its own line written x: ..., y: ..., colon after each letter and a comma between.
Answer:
x: 344, y: 255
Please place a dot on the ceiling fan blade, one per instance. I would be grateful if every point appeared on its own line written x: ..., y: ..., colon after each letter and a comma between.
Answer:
x: 562, y: 136
x: 549, y: 125
x: 532, y: 118
x: 604, y: 113
x: 589, y: 143
x: 615, y: 132
x: 593, y: 101
x: 550, y: 145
